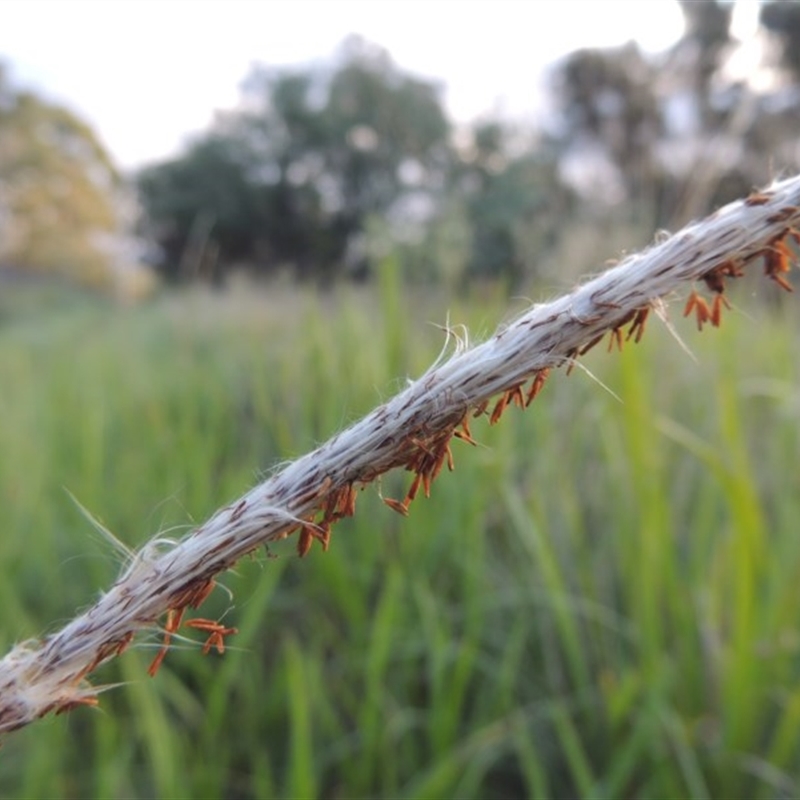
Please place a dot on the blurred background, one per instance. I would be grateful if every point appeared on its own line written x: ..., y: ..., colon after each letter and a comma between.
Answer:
x: 224, y: 228
x: 168, y: 144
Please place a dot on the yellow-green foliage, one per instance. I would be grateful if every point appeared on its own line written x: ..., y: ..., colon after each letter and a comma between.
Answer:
x: 60, y: 191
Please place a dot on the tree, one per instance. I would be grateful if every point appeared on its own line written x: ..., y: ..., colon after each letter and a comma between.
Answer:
x: 783, y: 20
x: 292, y: 176
x: 57, y: 187
x: 388, y: 132
x: 703, y: 48
x: 514, y: 203
x: 610, y: 118
x: 675, y: 135
x: 206, y: 193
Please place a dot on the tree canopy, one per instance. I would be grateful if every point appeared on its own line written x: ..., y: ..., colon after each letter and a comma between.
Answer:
x: 291, y: 177
x: 57, y: 188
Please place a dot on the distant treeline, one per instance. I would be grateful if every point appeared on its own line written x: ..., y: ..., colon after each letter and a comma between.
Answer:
x: 322, y: 171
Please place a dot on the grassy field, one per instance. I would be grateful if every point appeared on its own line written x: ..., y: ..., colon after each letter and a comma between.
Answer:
x: 601, y: 601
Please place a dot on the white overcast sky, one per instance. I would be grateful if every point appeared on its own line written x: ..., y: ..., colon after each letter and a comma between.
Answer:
x: 147, y: 73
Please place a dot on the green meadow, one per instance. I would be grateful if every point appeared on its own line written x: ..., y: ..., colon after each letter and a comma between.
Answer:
x: 602, y: 600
